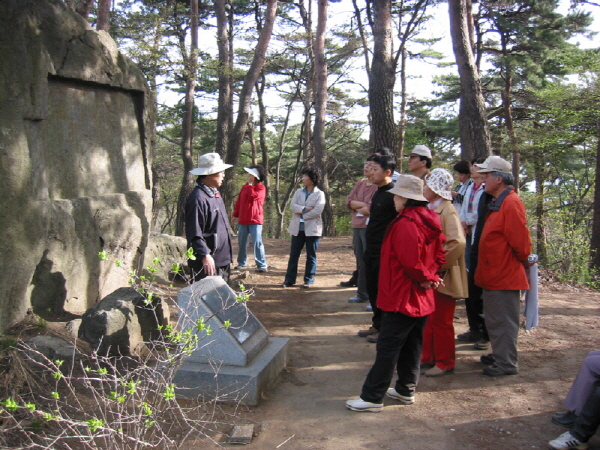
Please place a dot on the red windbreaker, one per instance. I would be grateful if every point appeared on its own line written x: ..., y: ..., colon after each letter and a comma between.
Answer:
x: 504, y: 246
x: 249, y: 205
x: 412, y: 252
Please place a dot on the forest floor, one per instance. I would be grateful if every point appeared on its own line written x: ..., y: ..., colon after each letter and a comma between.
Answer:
x: 328, y: 362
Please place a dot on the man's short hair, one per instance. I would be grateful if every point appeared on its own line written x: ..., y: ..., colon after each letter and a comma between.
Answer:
x: 462, y: 167
x: 507, y: 178
x: 385, y: 161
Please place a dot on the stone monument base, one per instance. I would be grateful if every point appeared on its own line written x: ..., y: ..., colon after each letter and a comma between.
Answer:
x: 234, y: 383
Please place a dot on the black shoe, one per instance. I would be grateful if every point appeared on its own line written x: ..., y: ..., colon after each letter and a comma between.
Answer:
x: 469, y: 336
x: 495, y: 371
x: 482, y: 344
x: 286, y: 284
x: 350, y: 283
x: 565, y: 419
x: 488, y: 359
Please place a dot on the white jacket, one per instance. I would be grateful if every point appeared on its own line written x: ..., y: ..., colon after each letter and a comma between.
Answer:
x: 313, y: 224
x: 470, y: 218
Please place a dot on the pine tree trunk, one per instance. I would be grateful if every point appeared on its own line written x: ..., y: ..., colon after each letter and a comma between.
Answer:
x: 473, y: 126
x: 595, y: 242
x: 236, y: 138
x: 187, y: 135
x: 320, y: 115
x: 225, y: 105
x: 103, y: 22
x: 382, y: 79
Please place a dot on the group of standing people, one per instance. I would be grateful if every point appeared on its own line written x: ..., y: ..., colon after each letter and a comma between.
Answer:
x: 423, y: 270
x: 416, y: 253
x: 208, y: 229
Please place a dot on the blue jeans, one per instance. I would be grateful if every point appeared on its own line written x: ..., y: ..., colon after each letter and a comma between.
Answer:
x: 312, y: 242
x: 255, y: 232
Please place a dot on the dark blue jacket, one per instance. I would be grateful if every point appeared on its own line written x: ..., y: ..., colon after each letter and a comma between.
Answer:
x: 207, y: 226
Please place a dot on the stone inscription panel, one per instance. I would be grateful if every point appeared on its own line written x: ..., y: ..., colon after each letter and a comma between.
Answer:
x: 222, y: 302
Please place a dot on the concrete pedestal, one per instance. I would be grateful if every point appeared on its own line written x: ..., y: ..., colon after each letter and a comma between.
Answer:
x: 234, y: 383
x: 238, y: 360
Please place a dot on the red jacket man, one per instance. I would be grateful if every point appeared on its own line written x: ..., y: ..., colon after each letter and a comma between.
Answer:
x: 504, y: 247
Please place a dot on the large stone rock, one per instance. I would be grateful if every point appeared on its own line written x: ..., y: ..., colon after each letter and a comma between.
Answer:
x: 121, y: 322
x: 75, y: 151
x: 43, y: 347
x: 169, y: 250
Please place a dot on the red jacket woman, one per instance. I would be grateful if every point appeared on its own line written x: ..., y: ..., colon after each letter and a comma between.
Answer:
x: 411, y: 255
x: 249, y: 212
x: 249, y: 205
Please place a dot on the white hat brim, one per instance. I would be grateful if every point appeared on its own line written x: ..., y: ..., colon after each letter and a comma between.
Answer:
x: 252, y: 172
x: 210, y: 170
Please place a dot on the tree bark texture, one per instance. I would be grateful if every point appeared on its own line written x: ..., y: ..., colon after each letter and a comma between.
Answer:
x: 84, y: 8
x: 320, y: 115
x: 595, y: 242
x: 306, y: 141
x: 541, y: 247
x: 236, y: 138
x: 225, y: 106
x: 187, y: 134
x: 474, y: 132
x: 103, y: 22
x: 382, y: 79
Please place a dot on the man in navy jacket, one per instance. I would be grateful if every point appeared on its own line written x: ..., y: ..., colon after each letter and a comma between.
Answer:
x: 206, y: 221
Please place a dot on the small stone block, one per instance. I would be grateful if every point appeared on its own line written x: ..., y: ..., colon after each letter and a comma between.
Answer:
x: 241, y: 434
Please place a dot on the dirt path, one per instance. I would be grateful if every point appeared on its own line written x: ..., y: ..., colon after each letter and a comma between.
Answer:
x: 327, y: 364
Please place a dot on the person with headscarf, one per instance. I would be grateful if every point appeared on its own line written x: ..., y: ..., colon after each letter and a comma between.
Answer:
x: 439, y: 351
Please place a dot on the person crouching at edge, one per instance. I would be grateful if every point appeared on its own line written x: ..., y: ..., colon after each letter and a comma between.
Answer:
x: 411, y: 255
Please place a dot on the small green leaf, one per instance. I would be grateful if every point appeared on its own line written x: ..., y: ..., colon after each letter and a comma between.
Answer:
x: 10, y: 404
x: 95, y: 424
x: 169, y: 392
x: 103, y: 256
x: 190, y: 254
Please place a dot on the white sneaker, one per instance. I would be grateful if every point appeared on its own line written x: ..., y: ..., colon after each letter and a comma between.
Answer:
x: 358, y: 404
x: 392, y: 393
x: 567, y: 441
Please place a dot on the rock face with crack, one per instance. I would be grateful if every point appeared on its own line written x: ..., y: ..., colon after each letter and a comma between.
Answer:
x: 75, y: 152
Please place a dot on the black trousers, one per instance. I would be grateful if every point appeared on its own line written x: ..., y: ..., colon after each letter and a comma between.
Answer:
x: 398, y: 347
x: 474, y: 306
x: 372, y: 278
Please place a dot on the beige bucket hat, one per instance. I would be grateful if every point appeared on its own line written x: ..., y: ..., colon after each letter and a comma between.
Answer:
x: 409, y: 186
